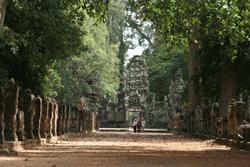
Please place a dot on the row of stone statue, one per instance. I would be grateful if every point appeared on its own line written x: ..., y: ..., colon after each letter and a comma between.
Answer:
x: 208, y: 121
x: 30, y: 117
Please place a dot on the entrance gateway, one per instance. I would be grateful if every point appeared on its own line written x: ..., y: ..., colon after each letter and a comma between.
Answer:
x: 136, y: 88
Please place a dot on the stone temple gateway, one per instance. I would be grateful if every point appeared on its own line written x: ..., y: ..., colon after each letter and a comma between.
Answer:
x: 135, y: 101
x: 136, y: 88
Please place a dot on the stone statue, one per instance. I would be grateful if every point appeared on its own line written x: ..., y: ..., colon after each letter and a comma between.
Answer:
x: 2, y: 110
x: 63, y: 117
x: 67, y: 119
x: 74, y: 119
x: 55, y: 117
x: 236, y: 116
x: 59, y: 126
x: 198, y: 113
x: 214, y: 114
x: 176, y: 90
x: 44, y: 118
x: 232, y: 119
x: 28, y: 100
x: 37, y: 118
x: 20, y: 125
x: 50, y: 118
x: 11, y: 107
x: 82, y: 114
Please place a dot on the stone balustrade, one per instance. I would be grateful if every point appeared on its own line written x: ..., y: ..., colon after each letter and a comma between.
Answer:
x: 27, y: 120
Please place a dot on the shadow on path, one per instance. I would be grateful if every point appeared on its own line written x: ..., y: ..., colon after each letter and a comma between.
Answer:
x: 129, y: 150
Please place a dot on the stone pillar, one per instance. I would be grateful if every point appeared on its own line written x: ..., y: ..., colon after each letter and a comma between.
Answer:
x: 37, y: 118
x: 90, y: 121
x: 27, y: 106
x: 59, y: 126
x: 2, y: 110
x: 93, y: 127
x: 20, y: 125
x: 198, y: 120
x: 11, y: 107
x: 77, y: 118
x: 63, y: 118
x: 73, y: 120
x: 67, y: 120
x: 55, y: 117
x: 43, y: 128
x: 49, y: 120
x: 82, y: 121
x: 214, y: 116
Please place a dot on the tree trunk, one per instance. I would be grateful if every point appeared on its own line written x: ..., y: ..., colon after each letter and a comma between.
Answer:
x: 2, y: 11
x: 194, y: 98
x: 228, y: 87
x: 2, y: 110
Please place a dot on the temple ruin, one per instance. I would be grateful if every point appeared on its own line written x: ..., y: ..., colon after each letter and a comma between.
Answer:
x: 136, y: 88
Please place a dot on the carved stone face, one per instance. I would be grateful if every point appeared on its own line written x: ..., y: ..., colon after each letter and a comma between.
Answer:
x: 28, y: 91
x: 10, y: 83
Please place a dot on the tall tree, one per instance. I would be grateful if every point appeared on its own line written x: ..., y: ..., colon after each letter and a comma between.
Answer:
x: 117, y: 25
x: 39, y: 32
x: 221, y: 24
x: 2, y: 11
x: 94, y: 68
x: 163, y: 59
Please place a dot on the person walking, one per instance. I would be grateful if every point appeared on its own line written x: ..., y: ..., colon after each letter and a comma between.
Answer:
x: 134, y: 125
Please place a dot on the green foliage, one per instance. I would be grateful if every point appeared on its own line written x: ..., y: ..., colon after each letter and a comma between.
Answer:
x: 37, y: 33
x: 164, y: 59
x: 94, y: 68
x: 223, y: 29
x: 51, y: 82
x: 117, y: 24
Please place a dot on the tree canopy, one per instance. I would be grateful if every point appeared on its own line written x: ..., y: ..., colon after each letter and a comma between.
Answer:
x: 222, y: 33
x: 38, y: 34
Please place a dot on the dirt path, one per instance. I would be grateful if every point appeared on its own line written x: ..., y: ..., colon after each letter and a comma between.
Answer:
x: 130, y: 150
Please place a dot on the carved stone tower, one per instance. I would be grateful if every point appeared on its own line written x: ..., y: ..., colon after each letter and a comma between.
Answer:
x: 136, y: 86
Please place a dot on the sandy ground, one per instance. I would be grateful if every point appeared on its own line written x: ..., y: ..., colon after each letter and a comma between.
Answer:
x: 125, y: 149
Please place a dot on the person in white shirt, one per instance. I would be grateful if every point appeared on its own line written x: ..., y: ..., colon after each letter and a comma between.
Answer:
x: 134, y: 125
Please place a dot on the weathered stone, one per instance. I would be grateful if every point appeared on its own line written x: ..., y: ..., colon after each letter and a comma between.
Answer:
x: 63, y: 118
x: 58, y: 128
x: 176, y: 90
x: 198, y: 120
x: 81, y: 105
x: 206, y: 114
x: 221, y: 127
x: 74, y: 120
x: 2, y: 110
x: 67, y: 119
x: 37, y: 118
x: 214, y: 115
x: 236, y: 116
x: 136, y: 87
x: 49, y: 120
x: 44, y: 118
x: 88, y: 122
x: 55, y: 117
x: 232, y: 119
x: 82, y: 121
x: 27, y: 106
x: 20, y: 125
x: 11, y: 106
